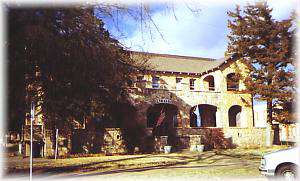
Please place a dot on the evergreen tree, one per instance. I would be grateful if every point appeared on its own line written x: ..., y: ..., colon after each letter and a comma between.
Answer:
x: 266, y: 46
x: 64, y: 60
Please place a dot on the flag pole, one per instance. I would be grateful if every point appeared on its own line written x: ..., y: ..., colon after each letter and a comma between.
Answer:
x: 31, y: 139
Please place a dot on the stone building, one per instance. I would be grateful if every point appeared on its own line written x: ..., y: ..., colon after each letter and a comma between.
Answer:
x: 197, y: 95
x: 183, y: 101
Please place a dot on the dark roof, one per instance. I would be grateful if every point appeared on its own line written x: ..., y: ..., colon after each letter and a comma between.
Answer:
x: 177, y: 63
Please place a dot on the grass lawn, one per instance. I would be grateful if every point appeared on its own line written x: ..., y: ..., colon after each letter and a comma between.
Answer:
x: 230, y: 162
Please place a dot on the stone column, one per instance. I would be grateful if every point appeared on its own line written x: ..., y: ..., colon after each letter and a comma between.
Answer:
x: 185, y: 115
x: 219, y: 119
x: 246, y: 117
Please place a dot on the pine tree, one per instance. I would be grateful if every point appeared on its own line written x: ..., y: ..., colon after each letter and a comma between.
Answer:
x: 266, y: 46
x: 64, y: 60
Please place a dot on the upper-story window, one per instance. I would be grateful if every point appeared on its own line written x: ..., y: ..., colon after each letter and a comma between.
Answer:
x: 155, y: 82
x: 209, y: 83
x: 178, y: 83
x: 232, y: 82
x: 192, y: 84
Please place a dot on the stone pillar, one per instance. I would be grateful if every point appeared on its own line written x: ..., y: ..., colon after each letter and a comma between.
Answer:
x: 225, y: 118
x: 194, y: 141
x: 185, y: 115
x: 69, y: 143
x: 27, y: 149
x: 48, y: 144
x: 20, y: 149
x: 218, y: 81
x: 219, y: 119
x: 246, y: 117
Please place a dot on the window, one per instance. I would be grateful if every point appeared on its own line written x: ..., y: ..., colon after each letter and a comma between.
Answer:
x: 178, y: 83
x: 192, y: 84
x: 232, y: 82
x: 209, y: 83
x: 155, y: 83
x: 178, y: 80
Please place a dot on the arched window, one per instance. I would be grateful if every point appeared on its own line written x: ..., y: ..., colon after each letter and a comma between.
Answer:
x: 234, y: 116
x: 209, y: 83
x: 232, y: 82
x: 203, y: 115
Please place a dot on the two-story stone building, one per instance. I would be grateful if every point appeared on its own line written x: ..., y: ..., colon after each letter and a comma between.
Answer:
x: 196, y: 94
x: 188, y: 99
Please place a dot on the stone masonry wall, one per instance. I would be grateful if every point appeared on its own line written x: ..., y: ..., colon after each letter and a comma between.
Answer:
x: 246, y: 137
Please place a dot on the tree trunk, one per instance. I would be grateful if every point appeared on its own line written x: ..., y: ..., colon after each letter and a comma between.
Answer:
x: 269, y: 140
x: 270, y: 112
x: 274, y: 138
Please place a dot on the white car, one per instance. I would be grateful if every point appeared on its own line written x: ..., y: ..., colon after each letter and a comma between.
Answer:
x: 282, y: 163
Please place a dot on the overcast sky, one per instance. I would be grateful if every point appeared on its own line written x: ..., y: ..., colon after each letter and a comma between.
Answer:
x: 201, y: 34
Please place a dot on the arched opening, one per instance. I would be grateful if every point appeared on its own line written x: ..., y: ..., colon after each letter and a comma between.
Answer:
x: 209, y: 83
x: 203, y: 115
x: 232, y: 82
x: 234, y: 115
x: 162, y: 117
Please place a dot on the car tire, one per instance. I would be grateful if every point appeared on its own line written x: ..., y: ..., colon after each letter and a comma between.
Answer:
x: 288, y: 172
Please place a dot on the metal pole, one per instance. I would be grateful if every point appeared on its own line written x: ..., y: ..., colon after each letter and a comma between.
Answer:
x: 56, y: 144
x: 45, y: 144
x: 31, y: 139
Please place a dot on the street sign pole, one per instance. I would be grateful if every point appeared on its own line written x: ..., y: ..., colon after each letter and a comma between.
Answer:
x: 56, y: 144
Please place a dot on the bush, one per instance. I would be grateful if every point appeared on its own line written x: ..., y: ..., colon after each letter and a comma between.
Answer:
x: 214, y: 139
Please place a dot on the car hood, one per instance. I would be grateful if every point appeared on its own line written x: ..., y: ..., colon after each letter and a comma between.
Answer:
x: 283, y: 153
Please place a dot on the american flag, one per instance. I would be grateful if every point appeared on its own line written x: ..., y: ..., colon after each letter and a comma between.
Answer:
x: 160, y: 118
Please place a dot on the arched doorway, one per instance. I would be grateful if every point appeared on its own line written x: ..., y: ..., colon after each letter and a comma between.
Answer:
x: 203, y: 115
x: 163, y: 118
x: 234, y: 116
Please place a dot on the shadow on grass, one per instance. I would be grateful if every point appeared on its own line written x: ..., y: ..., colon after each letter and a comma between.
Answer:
x: 182, y: 161
x: 248, y: 156
x: 172, y: 166
x: 107, y: 167
x: 67, y: 169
